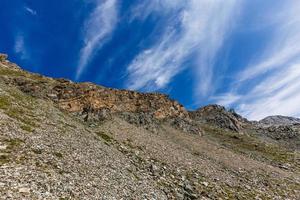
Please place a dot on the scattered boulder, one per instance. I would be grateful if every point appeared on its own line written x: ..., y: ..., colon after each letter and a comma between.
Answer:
x: 24, y: 190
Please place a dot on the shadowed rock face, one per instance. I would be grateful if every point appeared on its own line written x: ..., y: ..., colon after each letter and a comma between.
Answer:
x: 220, y: 117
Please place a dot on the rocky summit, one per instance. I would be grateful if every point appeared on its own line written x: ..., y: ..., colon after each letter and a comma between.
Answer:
x: 65, y: 140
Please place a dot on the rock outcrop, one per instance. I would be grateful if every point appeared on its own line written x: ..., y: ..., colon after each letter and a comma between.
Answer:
x: 220, y: 117
x: 92, y: 102
x: 283, y: 129
x: 66, y: 140
x: 3, y: 57
x: 281, y: 132
x: 279, y: 120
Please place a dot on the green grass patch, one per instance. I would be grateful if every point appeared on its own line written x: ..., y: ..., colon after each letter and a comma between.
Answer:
x: 20, y: 73
x: 37, y: 151
x: 4, y: 159
x: 59, y: 155
x: 20, y: 107
x: 12, y: 146
x: 10, y: 72
x: 13, y: 143
x: 27, y: 128
x: 105, y: 137
x: 20, y: 115
x: 250, y: 145
x: 4, y: 102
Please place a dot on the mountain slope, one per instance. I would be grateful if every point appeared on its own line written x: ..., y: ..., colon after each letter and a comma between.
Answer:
x: 280, y: 120
x: 65, y: 140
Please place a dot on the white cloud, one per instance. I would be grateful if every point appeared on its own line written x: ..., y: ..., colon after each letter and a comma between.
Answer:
x: 200, y: 27
x: 283, y: 46
x: 277, y: 94
x: 285, y: 101
x: 163, y: 7
x: 227, y: 99
x: 30, y: 10
x: 218, y: 19
x: 273, y: 80
x: 19, y: 46
x: 97, y: 29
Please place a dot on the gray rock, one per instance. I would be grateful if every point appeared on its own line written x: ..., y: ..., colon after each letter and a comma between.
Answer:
x: 279, y: 120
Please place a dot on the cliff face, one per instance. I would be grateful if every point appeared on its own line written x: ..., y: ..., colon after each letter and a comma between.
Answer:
x: 95, y: 98
x: 66, y: 140
x: 77, y: 97
x: 93, y: 102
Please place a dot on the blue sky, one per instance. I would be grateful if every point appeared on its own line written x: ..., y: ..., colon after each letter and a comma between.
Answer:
x: 240, y: 54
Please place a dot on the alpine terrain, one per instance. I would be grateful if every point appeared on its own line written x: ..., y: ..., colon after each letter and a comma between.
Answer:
x: 65, y: 140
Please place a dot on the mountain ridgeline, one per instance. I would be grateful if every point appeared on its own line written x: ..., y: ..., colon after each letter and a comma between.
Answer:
x: 65, y: 140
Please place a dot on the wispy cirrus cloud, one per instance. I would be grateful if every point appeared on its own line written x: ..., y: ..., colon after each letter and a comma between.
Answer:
x: 19, y: 46
x: 97, y: 29
x: 30, y: 10
x: 277, y: 94
x: 195, y: 29
x: 218, y: 20
x: 274, y: 77
x: 145, y: 8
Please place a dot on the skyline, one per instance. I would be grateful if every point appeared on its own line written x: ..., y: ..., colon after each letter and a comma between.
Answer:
x: 243, y: 55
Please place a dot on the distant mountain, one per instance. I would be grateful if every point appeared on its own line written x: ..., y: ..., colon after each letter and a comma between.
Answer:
x: 65, y: 140
x: 279, y: 120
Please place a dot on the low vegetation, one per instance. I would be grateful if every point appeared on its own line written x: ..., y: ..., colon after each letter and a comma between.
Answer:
x: 252, y: 147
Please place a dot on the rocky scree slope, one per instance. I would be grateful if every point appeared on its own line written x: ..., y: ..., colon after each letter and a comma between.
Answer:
x: 65, y: 140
